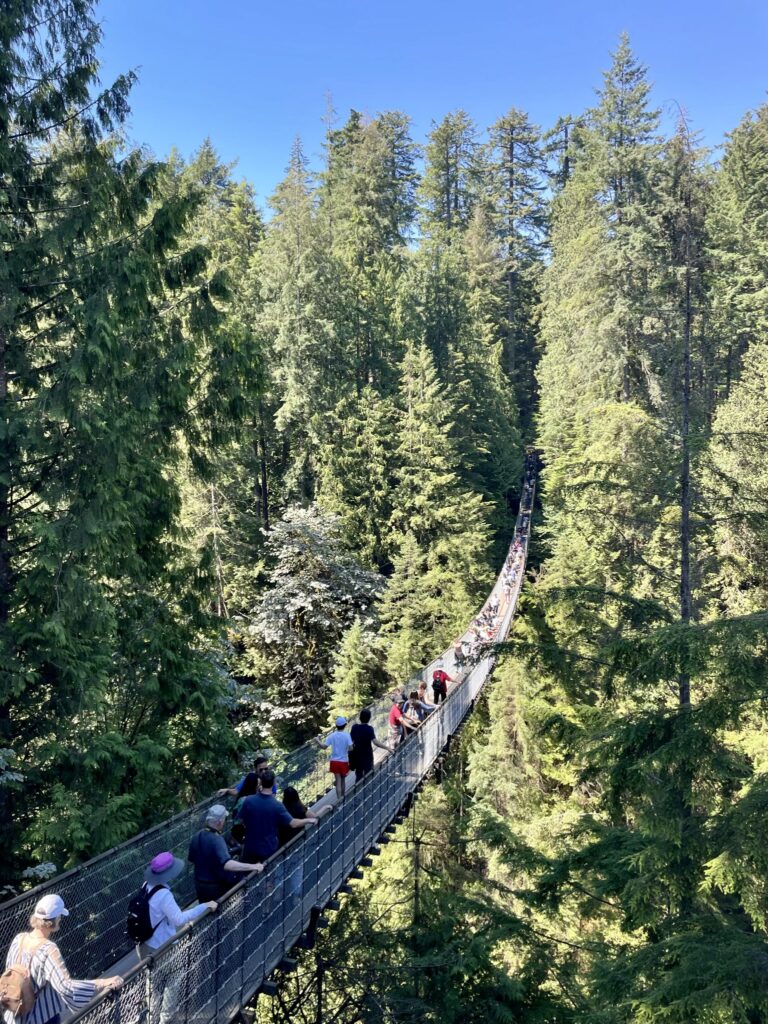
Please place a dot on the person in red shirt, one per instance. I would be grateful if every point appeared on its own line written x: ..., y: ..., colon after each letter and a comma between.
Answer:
x: 440, y: 680
x: 399, y: 724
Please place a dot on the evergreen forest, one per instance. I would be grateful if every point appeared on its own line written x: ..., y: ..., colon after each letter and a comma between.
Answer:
x: 261, y: 462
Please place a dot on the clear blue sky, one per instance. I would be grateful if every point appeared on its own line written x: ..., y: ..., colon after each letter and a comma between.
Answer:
x: 253, y: 74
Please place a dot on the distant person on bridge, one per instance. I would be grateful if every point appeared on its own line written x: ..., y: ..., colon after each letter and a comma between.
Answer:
x: 215, y: 870
x: 364, y: 740
x: 261, y: 764
x: 339, y: 741
x: 422, y: 694
x: 399, y: 724
x: 262, y: 816
x: 416, y: 707
x: 458, y: 654
x: 440, y: 680
x: 36, y: 956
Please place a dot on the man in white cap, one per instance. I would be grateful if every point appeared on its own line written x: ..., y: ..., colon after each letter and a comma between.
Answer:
x: 339, y: 742
x: 35, y: 954
x: 215, y: 871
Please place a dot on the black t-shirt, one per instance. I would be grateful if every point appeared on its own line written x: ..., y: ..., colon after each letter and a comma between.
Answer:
x: 363, y: 736
x: 208, y: 852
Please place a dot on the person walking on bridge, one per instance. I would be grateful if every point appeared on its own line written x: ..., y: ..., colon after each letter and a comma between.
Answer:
x: 215, y: 870
x: 440, y: 680
x: 399, y: 724
x: 339, y: 742
x: 165, y: 915
x: 35, y: 955
x: 364, y: 740
x: 166, y: 918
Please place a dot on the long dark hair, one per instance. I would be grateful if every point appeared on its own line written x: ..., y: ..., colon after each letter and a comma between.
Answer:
x: 291, y: 799
x: 250, y: 785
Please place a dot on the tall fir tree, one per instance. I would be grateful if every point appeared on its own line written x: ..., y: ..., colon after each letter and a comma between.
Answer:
x: 516, y: 185
x: 111, y: 337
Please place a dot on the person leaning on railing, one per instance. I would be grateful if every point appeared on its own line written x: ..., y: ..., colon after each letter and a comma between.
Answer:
x: 259, y: 765
x: 39, y: 956
x: 165, y: 915
x: 399, y: 724
x: 215, y: 870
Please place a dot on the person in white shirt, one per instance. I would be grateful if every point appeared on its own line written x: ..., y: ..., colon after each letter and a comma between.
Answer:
x: 167, y: 918
x: 339, y: 742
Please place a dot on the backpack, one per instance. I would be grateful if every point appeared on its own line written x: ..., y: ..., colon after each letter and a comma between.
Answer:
x: 17, y: 993
x: 17, y: 990
x: 139, y: 924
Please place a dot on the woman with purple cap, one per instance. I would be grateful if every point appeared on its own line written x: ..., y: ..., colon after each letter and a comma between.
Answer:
x: 165, y: 915
x: 38, y: 956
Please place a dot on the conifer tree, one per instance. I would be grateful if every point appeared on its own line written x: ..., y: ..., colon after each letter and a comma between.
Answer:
x: 358, y: 673
x: 366, y: 209
x: 440, y: 529
x: 736, y: 220
x: 309, y: 370
x: 452, y: 178
x: 515, y: 184
x: 356, y: 474
x: 110, y: 335
x: 315, y: 594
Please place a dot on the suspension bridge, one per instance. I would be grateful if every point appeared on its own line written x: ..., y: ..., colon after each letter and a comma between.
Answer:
x: 215, y: 966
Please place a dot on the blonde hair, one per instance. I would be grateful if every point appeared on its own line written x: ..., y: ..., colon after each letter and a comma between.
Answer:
x: 36, y: 921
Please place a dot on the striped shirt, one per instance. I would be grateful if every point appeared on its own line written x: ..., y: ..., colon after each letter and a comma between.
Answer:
x: 54, y: 988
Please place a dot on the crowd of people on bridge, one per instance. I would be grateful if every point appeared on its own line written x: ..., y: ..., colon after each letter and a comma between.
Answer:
x: 36, y: 987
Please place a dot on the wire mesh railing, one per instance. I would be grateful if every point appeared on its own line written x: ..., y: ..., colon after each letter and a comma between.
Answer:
x: 207, y: 971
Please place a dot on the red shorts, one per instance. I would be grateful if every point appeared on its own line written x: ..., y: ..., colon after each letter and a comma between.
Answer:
x: 339, y: 767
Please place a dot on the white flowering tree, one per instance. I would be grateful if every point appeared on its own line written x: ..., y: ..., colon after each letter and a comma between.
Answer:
x: 316, y: 592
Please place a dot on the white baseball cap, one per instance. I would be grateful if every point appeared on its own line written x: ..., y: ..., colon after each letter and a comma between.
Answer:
x: 50, y: 907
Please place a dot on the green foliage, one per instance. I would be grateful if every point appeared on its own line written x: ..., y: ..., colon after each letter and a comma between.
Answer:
x: 116, y: 363
x: 358, y: 674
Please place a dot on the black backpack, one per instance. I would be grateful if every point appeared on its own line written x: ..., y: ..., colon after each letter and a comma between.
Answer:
x: 139, y: 924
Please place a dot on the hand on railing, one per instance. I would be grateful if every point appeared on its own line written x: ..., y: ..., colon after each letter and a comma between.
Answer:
x: 110, y: 984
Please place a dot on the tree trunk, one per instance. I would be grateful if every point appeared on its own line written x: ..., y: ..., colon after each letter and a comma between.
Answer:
x: 686, y: 597
x: 6, y: 567
x: 262, y: 455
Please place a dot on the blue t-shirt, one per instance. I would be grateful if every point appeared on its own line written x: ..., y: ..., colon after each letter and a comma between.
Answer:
x: 208, y: 852
x: 262, y: 815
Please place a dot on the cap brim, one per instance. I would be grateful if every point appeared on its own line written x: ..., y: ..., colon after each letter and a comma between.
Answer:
x: 154, y: 878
